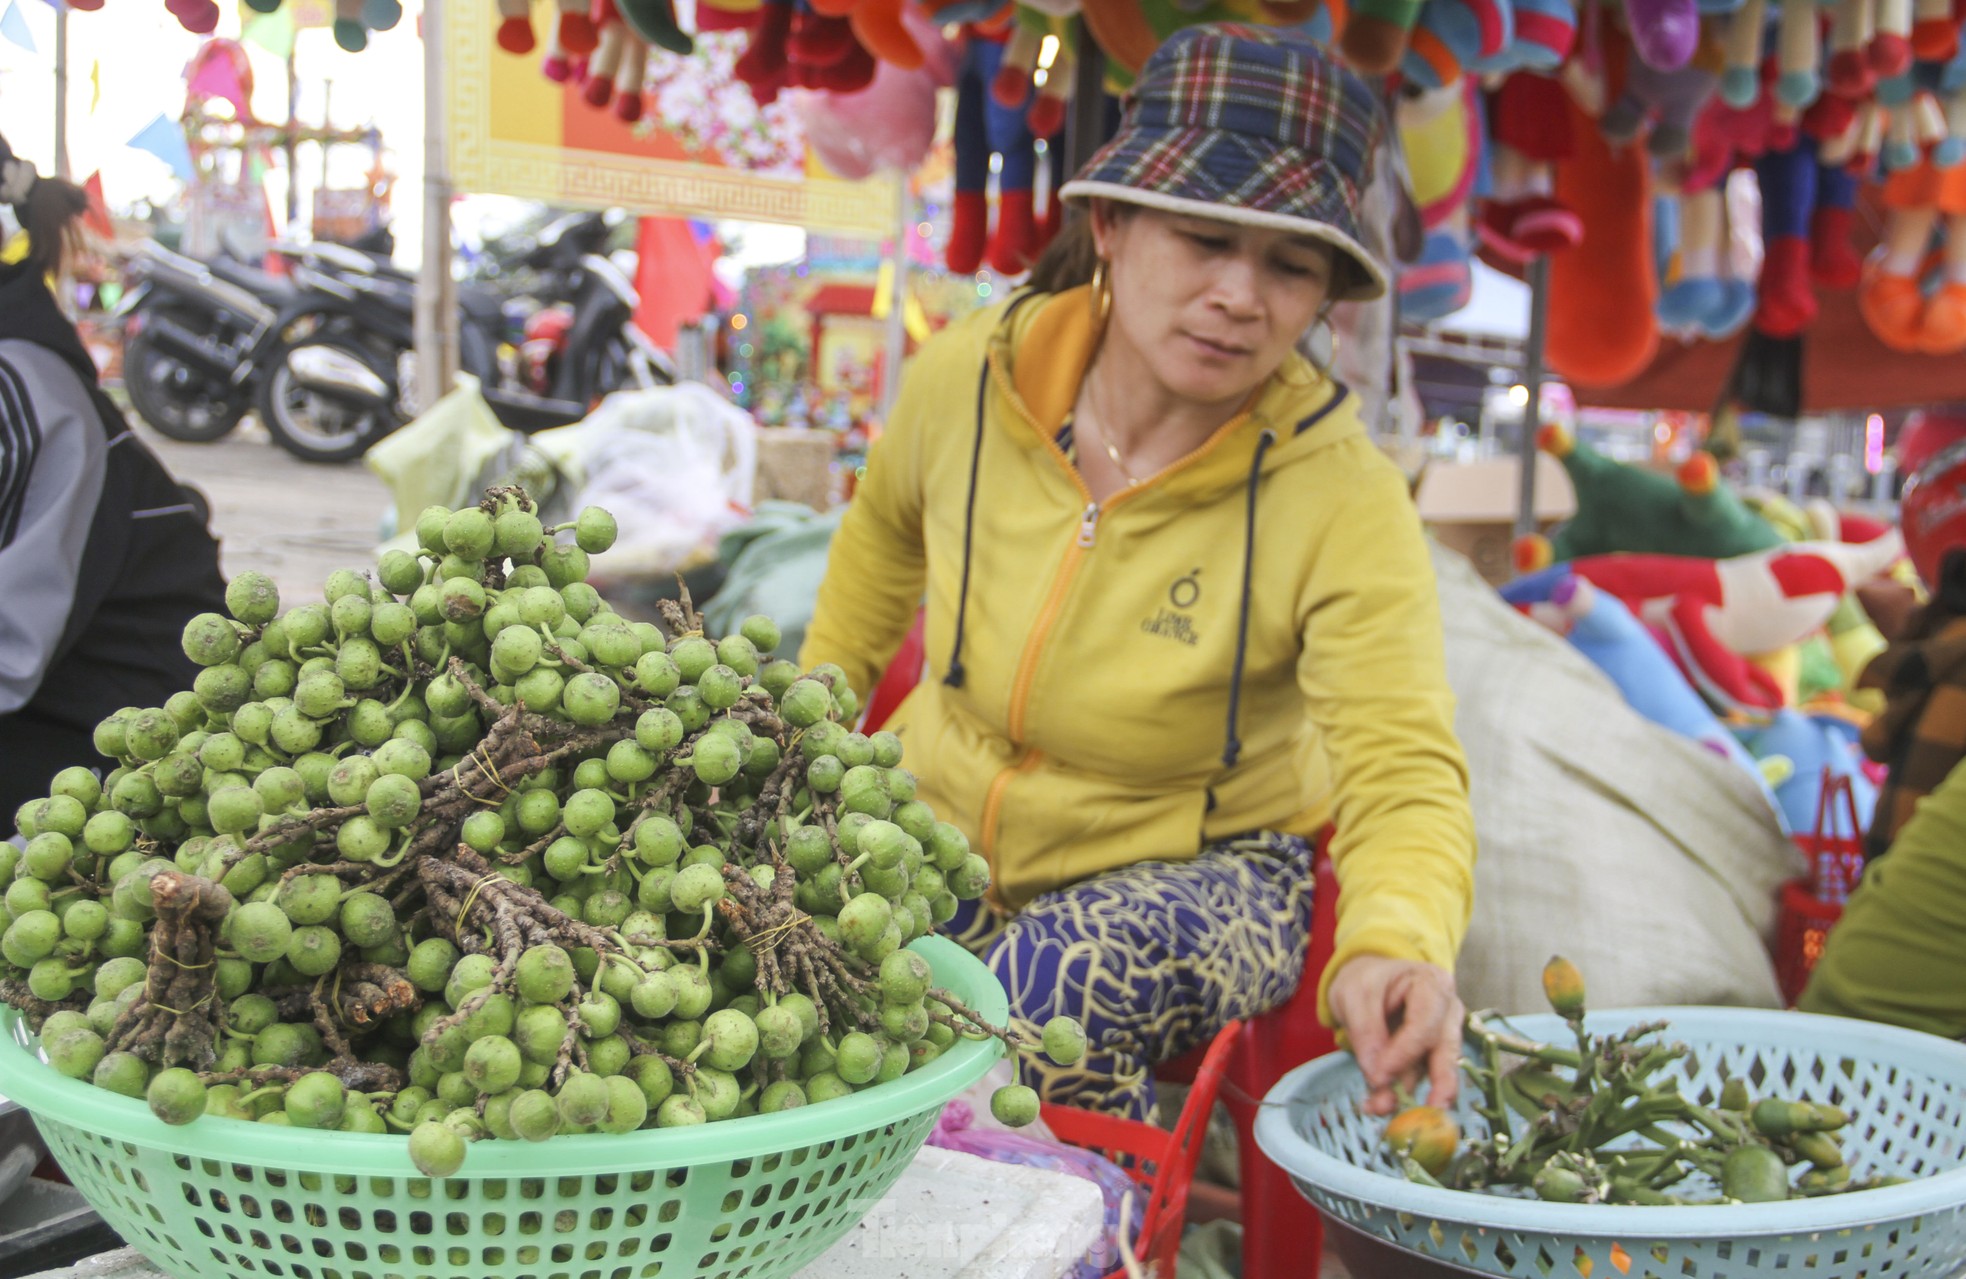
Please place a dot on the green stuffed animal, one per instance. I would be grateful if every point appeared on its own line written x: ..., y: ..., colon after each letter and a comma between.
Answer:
x: 1631, y: 510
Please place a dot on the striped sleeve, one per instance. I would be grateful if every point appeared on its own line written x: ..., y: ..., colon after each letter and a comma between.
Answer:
x: 53, y: 456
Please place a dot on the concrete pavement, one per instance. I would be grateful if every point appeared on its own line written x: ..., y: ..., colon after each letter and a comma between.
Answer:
x: 292, y: 520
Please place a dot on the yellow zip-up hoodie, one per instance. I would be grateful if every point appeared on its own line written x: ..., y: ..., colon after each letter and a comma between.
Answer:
x: 1249, y: 640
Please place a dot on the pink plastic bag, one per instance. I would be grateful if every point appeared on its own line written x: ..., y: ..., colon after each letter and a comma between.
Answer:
x: 958, y: 1129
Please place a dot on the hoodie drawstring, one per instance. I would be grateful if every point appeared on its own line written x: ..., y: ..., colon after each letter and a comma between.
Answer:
x: 954, y: 678
x: 1232, y: 751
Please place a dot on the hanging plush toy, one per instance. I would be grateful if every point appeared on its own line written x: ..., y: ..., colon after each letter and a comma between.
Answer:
x: 1602, y: 331
x: 1807, y: 210
x: 515, y: 33
x: 984, y: 128
x: 877, y: 25
x: 1707, y: 298
x: 1923, y: 202
x: 1529, y: 131
x: 616, y: 72
x: 1664, y: 33
x: 1667, y: 102
x: 1440, y: 131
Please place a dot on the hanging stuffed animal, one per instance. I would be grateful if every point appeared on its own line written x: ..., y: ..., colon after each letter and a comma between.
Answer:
x: 877, y: 25
x: 1806, y: 213
x: 515, y: 34
x: 1602, y: 330
x: 1922, y: 202
x: 1043, y: 94
x: 655, y: 22
x: 1666, y: 101
x: 1440, y: 132
x: 619, y: 67
x: 1529, y: 131
x: 985, y: 128
x: 1455, y: 36
x: 1664, y: 33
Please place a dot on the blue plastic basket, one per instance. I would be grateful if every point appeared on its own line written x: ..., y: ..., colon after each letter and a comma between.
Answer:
x: 1905, y: 1092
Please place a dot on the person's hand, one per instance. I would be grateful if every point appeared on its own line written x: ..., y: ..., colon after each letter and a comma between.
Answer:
x: 1404, y: 1023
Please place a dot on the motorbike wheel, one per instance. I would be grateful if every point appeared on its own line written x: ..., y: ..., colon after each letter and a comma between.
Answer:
x: 317, y: 425
x: 175, y: 400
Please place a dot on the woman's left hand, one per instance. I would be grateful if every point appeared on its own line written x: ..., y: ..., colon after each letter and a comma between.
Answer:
x: 1404, y: 1022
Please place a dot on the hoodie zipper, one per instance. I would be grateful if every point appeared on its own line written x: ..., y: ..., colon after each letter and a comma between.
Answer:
x: 1054, y: 603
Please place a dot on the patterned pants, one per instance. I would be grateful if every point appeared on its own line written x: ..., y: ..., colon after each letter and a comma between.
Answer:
x: 1152, y: 959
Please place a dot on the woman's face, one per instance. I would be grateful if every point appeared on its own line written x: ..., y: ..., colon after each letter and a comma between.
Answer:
x: 1210, y: 308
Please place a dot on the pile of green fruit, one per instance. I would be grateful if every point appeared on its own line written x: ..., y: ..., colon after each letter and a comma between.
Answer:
x: 1605, y: 1122
x: 460, y: 852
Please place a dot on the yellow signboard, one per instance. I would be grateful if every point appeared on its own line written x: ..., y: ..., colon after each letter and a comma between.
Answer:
x: 514, y: 132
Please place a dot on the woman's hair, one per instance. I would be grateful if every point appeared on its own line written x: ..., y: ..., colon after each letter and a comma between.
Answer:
x: 1068, y: 261
x: 50, y: 211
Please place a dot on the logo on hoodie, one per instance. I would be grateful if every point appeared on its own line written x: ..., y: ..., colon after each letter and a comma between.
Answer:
x: 1175, y: 623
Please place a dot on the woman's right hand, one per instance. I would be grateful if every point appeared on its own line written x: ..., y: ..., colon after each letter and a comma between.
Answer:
x: 1404, y: 1021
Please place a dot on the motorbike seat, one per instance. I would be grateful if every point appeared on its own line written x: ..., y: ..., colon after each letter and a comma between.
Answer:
x: 267, y: 288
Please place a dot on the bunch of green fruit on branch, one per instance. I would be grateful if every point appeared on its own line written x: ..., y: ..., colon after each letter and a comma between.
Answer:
x: 460, y: 852
x: 1605, y: 1121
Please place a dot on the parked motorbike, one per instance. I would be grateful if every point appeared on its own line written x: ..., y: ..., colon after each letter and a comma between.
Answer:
x: 193, y: 336
x: 339, y: 378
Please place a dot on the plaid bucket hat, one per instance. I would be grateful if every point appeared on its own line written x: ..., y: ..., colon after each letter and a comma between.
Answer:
x: 1249, y: 125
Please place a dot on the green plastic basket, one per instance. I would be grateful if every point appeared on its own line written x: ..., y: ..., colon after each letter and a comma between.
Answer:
x: 755, y: 1197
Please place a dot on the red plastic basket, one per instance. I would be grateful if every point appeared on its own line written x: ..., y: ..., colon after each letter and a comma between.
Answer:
x: 1811, y: 905
x: 1161, y: 1160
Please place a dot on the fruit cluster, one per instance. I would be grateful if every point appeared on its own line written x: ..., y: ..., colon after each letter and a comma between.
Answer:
x: 461, y: 852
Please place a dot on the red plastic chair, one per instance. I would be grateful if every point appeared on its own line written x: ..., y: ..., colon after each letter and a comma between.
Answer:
x: 1161, y: 1160
x: 1282, y: 1233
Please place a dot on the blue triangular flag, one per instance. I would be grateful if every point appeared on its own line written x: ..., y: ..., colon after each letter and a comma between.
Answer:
x: 164, y: 138
x: 14, y: 27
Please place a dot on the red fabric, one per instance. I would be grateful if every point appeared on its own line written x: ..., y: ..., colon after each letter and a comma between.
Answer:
x: 96, y: 216
x: 674, y: 278
x: 1602, y: 330
x: 1532, y: 114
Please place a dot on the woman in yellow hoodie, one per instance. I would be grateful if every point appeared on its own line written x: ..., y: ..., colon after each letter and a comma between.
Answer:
x: 1180, y: 615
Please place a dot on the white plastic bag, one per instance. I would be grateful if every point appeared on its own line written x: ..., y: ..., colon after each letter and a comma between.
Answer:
x: 674, y: 465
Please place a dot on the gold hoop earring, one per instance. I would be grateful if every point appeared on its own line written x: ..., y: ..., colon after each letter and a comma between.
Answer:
x: 1102, y: 295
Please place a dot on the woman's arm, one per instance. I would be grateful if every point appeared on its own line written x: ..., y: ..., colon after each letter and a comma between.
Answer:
x: 1374, y: 676
x: 877, y: 567
x: 52, y: 461
x: 1898, y: 955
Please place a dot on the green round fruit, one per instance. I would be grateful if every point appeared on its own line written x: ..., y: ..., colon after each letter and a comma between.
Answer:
x: 594, y: 530
x: 1014, y: 1105
x: 517, y: 534
x: 252, y: 598
x: 436, y: 1150
x: 259, y: 931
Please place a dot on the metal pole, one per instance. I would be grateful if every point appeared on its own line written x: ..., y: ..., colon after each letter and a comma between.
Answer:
x: 327, y: 126
x: 436, y: 292
x: 897, y: 309
x: 293, y: 147
x: 1532, y: 412
x: 1085, y: 127
x: 61, y: 90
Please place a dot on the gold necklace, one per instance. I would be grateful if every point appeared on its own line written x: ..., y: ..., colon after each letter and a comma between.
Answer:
x: 1105, y: 442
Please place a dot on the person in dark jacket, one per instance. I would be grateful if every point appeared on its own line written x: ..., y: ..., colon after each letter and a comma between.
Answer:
x: 103, y: 556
